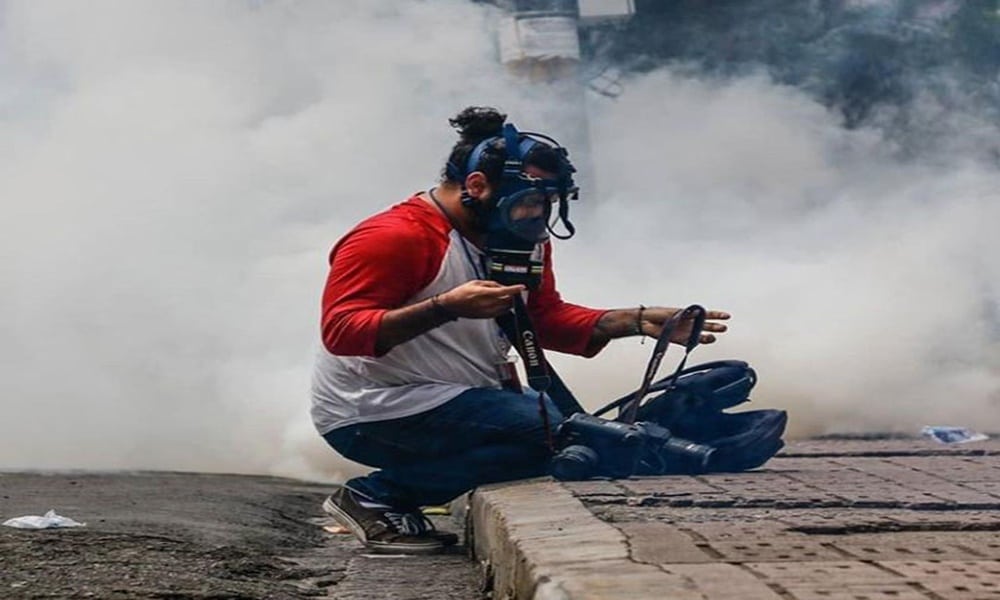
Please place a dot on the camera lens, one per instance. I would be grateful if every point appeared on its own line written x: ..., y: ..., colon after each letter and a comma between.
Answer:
x: 699, y: 455
x: 574, y: 463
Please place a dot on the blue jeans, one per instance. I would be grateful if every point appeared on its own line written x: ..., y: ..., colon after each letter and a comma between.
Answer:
x: 480, y: 436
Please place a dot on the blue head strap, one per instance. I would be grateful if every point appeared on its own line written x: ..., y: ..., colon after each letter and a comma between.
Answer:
x: 516, y: 151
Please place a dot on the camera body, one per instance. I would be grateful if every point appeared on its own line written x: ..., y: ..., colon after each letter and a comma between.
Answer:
x: 514, y: 267
x: 592, y: 446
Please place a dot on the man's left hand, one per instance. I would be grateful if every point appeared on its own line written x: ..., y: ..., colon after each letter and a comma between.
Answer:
x: 654, y: 317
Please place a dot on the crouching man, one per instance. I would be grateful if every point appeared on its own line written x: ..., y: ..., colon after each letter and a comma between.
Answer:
x: 415, y: 378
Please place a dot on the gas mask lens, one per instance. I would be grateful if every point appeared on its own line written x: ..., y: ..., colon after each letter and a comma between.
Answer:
x: 528, y: 212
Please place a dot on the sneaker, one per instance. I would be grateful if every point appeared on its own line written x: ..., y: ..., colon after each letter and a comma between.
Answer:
x: 380, y: 528
x: 445, y: 537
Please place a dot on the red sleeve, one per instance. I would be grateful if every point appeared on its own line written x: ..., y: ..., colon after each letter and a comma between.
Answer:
x: 376, y: 267
x: 561, y: 326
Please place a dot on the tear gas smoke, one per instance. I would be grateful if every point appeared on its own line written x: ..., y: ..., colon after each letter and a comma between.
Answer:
x: 864, y: 289
x: 173, y: 175
x: 859, y: 263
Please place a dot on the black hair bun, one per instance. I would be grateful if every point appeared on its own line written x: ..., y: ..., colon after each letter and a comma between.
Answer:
x: 478, y: 122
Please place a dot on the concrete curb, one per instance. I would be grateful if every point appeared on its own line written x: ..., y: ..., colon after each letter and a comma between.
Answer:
x: 841, y: 523
x: 538, y: 542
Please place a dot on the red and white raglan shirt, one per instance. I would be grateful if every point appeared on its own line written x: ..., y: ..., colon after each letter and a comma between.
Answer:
x: 399, y: 257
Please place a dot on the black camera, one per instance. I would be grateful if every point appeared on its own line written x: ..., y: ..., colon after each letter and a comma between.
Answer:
x: 514, y: 267
x: 592, y: 446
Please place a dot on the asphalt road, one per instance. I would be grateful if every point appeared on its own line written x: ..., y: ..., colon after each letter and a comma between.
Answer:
x: 189, y: 535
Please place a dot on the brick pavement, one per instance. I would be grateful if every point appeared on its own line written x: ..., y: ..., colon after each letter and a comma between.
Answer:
x: 852, y: 520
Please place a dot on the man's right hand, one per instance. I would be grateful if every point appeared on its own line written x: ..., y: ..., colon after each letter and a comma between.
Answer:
x: 480, y: 299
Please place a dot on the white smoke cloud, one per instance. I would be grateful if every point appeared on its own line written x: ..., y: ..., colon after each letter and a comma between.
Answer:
x: 863, y: 289
x: 172, y: 175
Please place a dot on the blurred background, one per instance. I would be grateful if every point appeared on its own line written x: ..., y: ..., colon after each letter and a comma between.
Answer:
x: 173, y: 175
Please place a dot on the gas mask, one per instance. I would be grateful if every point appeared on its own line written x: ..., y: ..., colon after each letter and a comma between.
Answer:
x: 519, y: 215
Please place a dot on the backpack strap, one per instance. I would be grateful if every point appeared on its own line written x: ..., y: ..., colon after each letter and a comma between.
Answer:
x: 630, y: 408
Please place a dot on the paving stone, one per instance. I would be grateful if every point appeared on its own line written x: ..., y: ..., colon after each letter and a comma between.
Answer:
x: 827, y: 480
x: 987, y: 487
x: 892, y: 447
x: 721, y: 580
x: 938, y: 483
x: 839, y: 520
x: 738, y: 532
x: 945, y: 520
x: 786, y: 465
x: 886, y: 467
x: 985, y: 544
x: 659, y: 543
x: 595, y: 488
x: 883, y: 591
x: 953, y: 468
x: 954, y: 580
x: 772, y: 489
x: 905, y: 546
x: 971, y: 590
x: 926, y: 570
x: 875, y: 493
x: 807, y: 574
x: 670, y: 487
x: 895, y: 519
x: 613, y: 581
x: 776, y: 550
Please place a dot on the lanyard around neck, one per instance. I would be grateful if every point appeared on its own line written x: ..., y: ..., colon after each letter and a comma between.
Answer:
x: 477, y: 267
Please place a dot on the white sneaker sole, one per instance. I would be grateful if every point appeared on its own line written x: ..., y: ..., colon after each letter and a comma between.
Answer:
x: 428, y: 547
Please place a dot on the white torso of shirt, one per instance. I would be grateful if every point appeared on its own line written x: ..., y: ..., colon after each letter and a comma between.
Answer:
x: 422, y: 373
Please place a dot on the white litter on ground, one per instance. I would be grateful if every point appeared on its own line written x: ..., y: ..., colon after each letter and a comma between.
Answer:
x: 953, y: 435
x: 50, y: 521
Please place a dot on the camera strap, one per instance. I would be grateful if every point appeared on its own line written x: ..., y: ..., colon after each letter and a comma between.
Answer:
x: 630, y: 408
x: 518, y: 328
x: 525, y: 340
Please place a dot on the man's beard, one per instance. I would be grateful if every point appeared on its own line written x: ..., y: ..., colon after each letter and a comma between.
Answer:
x: 480, y: 210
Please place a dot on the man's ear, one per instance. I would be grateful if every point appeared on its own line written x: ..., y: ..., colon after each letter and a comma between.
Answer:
x: 477, y: 185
